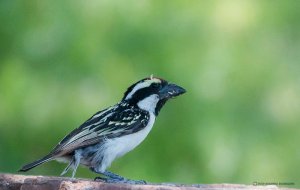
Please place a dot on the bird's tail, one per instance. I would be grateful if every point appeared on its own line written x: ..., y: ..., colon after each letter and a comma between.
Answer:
x: 36, y: 163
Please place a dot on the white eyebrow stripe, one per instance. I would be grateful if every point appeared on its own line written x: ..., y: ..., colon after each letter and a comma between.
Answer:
x: 141, y: 85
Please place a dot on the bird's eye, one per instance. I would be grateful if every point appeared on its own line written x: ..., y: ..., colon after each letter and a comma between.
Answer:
x: 156, y: 85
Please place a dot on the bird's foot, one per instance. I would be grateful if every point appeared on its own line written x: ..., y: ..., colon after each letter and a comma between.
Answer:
x: 120, y: 180
x: 114, y: 178
x: 99, y: 179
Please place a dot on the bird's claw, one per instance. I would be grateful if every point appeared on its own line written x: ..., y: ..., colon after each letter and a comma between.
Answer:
x: 100, y: 179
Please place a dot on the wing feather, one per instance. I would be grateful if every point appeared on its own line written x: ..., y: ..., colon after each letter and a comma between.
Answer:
x: 110, y: 123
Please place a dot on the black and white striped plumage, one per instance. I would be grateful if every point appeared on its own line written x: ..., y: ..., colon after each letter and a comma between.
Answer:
x: 113, y: 132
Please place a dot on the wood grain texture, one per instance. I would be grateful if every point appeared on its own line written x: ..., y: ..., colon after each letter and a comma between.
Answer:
x: 22, y: 182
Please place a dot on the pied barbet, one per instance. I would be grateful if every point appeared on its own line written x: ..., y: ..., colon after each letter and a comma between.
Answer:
x: 114, y: 131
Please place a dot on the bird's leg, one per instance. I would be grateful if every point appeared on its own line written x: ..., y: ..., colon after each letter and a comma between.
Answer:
x: 77, y: 157
x: 68, y: 167
x: 114, y: 178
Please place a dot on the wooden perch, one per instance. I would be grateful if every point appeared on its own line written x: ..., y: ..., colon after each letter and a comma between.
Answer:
x: 22, y: 182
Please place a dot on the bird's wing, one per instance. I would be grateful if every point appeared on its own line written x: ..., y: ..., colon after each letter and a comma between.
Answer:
x: 109, y: 123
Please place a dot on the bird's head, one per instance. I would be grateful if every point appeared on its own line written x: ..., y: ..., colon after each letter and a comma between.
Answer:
x: 151, y: 93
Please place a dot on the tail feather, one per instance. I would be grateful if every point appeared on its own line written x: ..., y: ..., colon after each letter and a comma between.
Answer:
x: 35, y: 163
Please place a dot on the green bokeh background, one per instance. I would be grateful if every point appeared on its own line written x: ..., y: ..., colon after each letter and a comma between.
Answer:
x: 61, y: 61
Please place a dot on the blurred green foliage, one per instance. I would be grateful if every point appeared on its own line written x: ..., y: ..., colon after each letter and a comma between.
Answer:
x: 61, y: 61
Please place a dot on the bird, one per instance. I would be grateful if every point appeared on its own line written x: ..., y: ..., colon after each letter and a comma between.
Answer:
x: 114, y: 131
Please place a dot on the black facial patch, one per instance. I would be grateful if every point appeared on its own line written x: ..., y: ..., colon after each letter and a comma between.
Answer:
x: 144, y: 93
x: 155, y: 85
x: 159, y: 105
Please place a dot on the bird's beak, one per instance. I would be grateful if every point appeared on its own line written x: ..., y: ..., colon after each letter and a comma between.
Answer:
x: 170, y: 91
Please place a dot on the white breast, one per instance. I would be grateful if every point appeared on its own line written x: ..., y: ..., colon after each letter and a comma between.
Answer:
x: 117, y: 147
